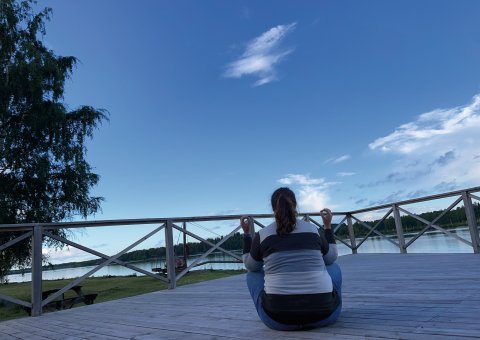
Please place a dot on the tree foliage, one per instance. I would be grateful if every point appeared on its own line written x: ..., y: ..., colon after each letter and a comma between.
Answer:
x: 44, y: 176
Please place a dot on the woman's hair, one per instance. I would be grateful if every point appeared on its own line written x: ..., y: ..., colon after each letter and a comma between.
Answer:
x: 284, y: 206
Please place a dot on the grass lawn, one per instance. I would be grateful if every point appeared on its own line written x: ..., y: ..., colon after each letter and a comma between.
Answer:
x: 107, y: 288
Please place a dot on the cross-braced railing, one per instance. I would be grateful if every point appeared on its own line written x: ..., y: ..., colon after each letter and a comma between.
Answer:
x: 395, y: 211
x: 38, y: 232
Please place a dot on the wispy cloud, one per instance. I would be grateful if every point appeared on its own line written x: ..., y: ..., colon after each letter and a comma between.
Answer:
x: 430, y: 127
x: 446, y: 186
x: 302, y: 180
x: 336, y: 160
x: 262, y: 55
x: 414, y: 170
x: 312, y: 193
x: 345, y: 174
x: 234, y: 211
x: 445, y: 159
x: 393, y: 197
x: 101, y: 245
x: 437, y: 152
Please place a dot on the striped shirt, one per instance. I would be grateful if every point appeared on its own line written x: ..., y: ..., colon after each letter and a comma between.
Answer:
x: 298, y: 288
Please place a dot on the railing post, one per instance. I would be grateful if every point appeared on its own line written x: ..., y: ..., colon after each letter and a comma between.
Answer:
x: 170, y: 253
x: 37, y: 270
x: 185, y: 252
x: 472, y: 222
x: 399, y: 228
x: 351, y: 233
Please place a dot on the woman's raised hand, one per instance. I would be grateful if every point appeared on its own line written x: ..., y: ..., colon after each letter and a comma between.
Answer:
x: 326, y: 217
x: 245, y: 223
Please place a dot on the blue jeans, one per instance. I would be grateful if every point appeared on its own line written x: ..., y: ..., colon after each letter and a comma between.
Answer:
x: 255, y: 283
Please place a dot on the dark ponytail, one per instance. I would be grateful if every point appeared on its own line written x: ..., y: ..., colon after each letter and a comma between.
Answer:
x: 284, y: 206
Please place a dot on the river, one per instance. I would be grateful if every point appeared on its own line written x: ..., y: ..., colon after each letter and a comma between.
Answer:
x: 430, y: 242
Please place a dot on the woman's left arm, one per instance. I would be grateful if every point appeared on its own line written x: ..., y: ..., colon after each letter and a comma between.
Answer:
x: 329, y: 250
x: 329, y: 247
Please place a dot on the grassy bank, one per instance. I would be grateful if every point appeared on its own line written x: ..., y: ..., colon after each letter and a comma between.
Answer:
x: 107, y: 288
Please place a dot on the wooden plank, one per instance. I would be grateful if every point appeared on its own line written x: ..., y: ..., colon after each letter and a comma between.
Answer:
x: 448, y: 331
x: 8, y: 331
x: 40, y: 331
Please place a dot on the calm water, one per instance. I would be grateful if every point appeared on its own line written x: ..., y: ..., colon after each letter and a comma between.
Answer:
x: 432, y: 242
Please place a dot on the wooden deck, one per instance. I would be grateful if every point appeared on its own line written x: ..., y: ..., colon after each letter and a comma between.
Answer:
x: 399, y: 296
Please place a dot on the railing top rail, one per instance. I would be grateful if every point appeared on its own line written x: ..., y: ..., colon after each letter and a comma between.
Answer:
x: 120, y: 222
x: 123, y: 222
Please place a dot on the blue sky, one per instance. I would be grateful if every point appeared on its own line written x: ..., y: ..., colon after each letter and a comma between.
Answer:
x: 214, y: 104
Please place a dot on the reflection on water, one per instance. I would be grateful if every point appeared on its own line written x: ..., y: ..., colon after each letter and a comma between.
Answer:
x: 431, y: 242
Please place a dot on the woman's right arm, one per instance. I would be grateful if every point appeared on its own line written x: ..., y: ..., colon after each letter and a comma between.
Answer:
x: 252, y: 257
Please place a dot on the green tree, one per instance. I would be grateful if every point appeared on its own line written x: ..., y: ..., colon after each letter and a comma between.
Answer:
x: 44, y: 176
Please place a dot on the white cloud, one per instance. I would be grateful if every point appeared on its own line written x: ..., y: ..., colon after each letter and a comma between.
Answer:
x: 312, y: 193
x: 301, y: 180
x: 430, y: 127
x: 233, y: 211
x: 67, y: 254
x: 261, y: 56
x: 437, y: 151
x: 345, y: 174
x: 313, y: 199
x: 337, y: 159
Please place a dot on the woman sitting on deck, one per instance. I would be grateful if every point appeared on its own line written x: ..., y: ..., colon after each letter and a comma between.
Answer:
x: 292, y: 277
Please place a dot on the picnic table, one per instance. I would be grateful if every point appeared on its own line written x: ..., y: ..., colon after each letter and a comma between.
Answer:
x: 62, y: 302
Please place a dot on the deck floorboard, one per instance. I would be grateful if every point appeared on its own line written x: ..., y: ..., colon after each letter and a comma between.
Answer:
x: 393, y: 296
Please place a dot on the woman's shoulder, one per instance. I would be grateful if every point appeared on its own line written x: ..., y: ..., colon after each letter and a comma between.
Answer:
x: 269, y: 230
x: 300, y: 227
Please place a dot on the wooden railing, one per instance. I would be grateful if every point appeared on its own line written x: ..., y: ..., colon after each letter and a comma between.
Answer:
x: 39, y: 231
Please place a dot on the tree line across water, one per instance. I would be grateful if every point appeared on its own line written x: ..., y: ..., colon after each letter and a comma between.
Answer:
x: 454, y: 218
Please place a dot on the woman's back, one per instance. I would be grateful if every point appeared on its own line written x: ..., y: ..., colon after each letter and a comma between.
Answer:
x: 294, y: 263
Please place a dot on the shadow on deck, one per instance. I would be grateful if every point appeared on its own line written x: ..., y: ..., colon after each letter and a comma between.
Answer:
x: 407, y: 296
